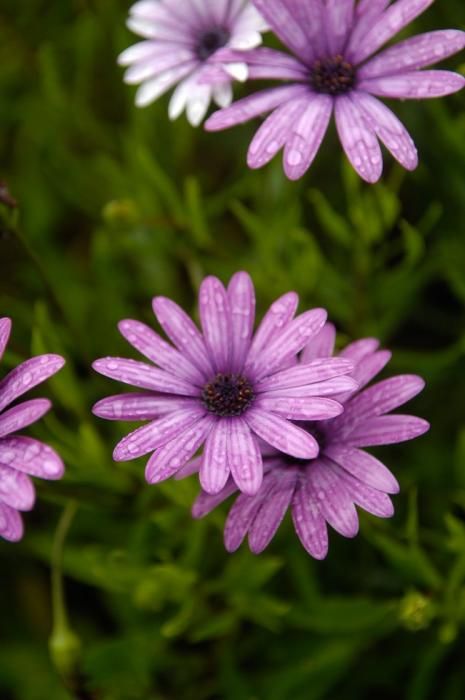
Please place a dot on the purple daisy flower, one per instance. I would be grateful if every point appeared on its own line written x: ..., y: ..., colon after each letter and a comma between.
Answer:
x: 335, y: 68
x: 22, y: 456
x: 181, y: 38
x: 223, y: 388
x: 327, y: 489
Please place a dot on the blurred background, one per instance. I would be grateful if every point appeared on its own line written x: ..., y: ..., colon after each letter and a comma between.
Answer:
x: 117, y: 205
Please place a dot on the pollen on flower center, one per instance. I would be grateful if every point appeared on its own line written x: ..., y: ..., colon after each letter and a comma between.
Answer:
x: 332, y: 76
x: 210, y: 41
x: 227, y: 395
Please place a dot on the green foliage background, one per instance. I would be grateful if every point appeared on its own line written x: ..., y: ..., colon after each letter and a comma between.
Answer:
x: 118, y: 205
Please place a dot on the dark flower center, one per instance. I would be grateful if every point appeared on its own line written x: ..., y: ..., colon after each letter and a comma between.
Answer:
x: 227, y: 395
x: 332, y: 76
x: 210, y: 41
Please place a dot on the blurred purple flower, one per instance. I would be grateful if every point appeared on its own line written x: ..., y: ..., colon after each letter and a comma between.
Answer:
x: 22, y: 456
x: 181, y: 38
x: 326, y: 489
x: 224, y: 387
x: 334, y: 69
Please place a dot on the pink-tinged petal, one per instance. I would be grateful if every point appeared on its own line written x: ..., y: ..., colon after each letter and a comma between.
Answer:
x: 5, y: 330
x: 156, y: 434
x: 241, y: 295
x: 11, y: 524
x: 309, y: 523
x: 384, y: 397
x: 318, y: 370
x: 288, y: 342
x: 339, y: 21
x: 307, y: 136
x: 363, y: 467
x: 359, y: 349
x: 284, y: 24
x: 371, y: 500
x: 311, y: 18
x: 299, y: 409
x: 31, y: 456
x: 244, y: 457
x: 28, y: 375
x: 205, y: 502
x: 273, y: 510
x: 21, y: 416
x: 183, y: 332
x: 192, y: 467
x: 332, y: 497
x: 170, y: 458
x: 274, y: 132
x: 367, y: 13
x: 280, y: 313
x: 365, y: 371
x: 215, y: 316
x: 282, y: 434
x: 390, y: 131
x: 269, y: 72
x: 387, y: 25
x: 149, y: 344
x: 144, y: 376
x: 370, y: 6
x: 387, y: 430
x: 322, y: 345
x: 139, y: 406
x: 242, y: 515
x: 252, y: 106
x: 214, y: 469
x: 417, y: 52
x: 418, y: 85
x: 358, y: 139
x: 16, y: 489
x: 263, y: 57
x: 331, y: 387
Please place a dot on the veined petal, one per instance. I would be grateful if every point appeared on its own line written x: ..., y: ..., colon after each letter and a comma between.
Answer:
x: 28, y: 375
x: 151, y: 67
x: 417, y: 85
x: 280, y: 313
x: 321, y: 345
x: 154, y: 88
x: 338, y: 23
x: 5, y: 330
x: 311, y: 16
x: 332, y: 497
x: 318, y: 370
x: 371, y: 500
x: 307, y: 136
x: 205, y: 502
x: 16, y: 488
x: 274, y: 508
x: 358, y: 139
x: 214, y: 468
x: 282, y: 434
x: 19, y: 417
x: 242, y: 514
x: 367, y: 12
x: 387, y: 430
x: 241, y: 296
x: 364, y: 372
x: 244, y: 457
x: 330, y: 387
x: 363, y: 467
x: 144, y: 376
x: 11, y: 524
x: 31, y: 456
x: 313, y: 408
x: 215, y: 316
x: 139, y: 406
x: 309, y: 524
x: 359, y: 349
x: 284, y: 25
x: 382, y: 398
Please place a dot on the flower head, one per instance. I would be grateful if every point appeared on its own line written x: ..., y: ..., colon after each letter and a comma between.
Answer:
x: 22, y: 457
x: 224, y: 387
x: 336, y: 69
x: 181, y: 39
x: 327, y: 489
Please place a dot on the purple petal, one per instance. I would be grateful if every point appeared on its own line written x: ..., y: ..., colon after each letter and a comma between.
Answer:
x: 414, y: 53
x: 367, y: 13
x: 418, y: 85
x: 149, y: 343
x: 273, y: 510
x: 387, y: 430
x: 331, y: 387
x: 359, y: 349
x: 322, y: 345
x: 280, y: 313
x: 215, y: 316
x: 21, y: 416
x: 192, y: 467
x: 241, y: 295
x: 371, y: 500
x: 31, y: 456
x: 311, y: 18
x: 309, y: 523
x: 370, y: 6
x: 242, y: 515
x: 389, y: 130
x: 284, y: 25
x: 388, y: 24
x: 28, y: 375
x: 299, y: 409
x: 142, y: 375
x: 253, y: 106
x: 358, y: 139
x: 365, y: 371
x: 334, y: 501
x: 139, y: 406
x: 11, y: 524
x: 214, y: 469
x: 363, y: 467
x: 156, y: 434
x: 282, y: 434
x: 183, y: 332
x: 339, y: 20
x: 5, y: 330
x: 244, y: 457
x: 307, y: 136
x: 205, y: 502
x: 264, y: 57
x: 318, y: 370
x: 16, y: 489
x: 384, y: 396
x: 169, y: 459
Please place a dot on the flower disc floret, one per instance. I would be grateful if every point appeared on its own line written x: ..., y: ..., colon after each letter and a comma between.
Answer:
x: 332, y: 76
x: 228, y: 395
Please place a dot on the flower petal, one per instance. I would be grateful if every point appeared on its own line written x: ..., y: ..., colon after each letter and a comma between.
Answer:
x: 313, y: 408
x: 387, y: 430
x: 5, y: 330
x: 371, y: 500
x: 31, y: 456
x: 358, y: 139
x: 282, y: 434
x: 139, y: 406
x: 241, y: 295
x: 309, y: 523
x: 363, y: 467
x: 307, y: 135
x: 280, y: 313
x: 205, y: 502
x: 215, y: 316
x: 321, y: 345
x: 273, y: 510
x: 284, y: 25
x: 318, y: 370
x: 417, y: 85
x: 154, y: 88
x: 21, y: 416
x: 16, y: 489
x: 144, y: 376
x: 332, y: 497
x: 214, y: 469
x: 244, y: 457
x: 242, y: 514
x: 11, y: 524
x: 359, y: 349
x: 338, y: 23
x: 28, y: 375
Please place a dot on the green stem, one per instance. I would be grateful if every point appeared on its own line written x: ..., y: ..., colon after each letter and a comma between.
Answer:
x: 60, y: 615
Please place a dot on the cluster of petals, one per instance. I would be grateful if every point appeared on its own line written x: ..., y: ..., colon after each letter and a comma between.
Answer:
x: 181, y: 37
x: 188, y: 384
x: 326, y: 490
x: 22, y: 457
x: 337, y: 68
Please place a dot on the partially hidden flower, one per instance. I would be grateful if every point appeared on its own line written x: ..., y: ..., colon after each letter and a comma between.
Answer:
x: 22, y: 457
x: 336, y: 70
x: 224, y: 387
x: 326, y: 490
x: 181, y: 38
